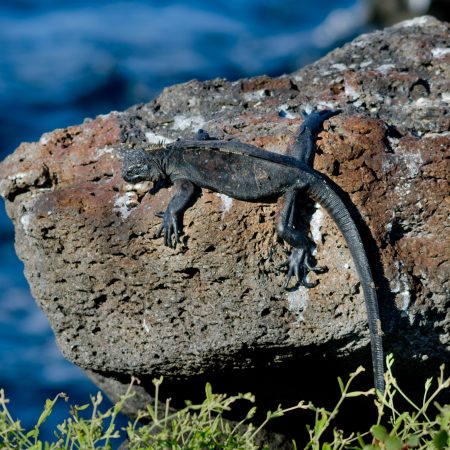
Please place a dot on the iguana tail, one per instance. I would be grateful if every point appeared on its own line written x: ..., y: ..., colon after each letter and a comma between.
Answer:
x: 324, y: 194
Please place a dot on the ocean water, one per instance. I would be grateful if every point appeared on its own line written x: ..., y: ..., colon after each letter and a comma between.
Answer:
x: 63, y: 61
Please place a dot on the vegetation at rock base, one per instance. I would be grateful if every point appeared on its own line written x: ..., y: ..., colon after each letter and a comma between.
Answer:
x: 202, y: 426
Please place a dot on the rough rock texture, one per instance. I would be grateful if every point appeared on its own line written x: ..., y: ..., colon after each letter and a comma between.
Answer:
x: 120, y: 303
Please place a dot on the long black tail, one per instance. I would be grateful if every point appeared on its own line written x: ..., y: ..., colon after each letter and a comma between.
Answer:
x: 324, y: 194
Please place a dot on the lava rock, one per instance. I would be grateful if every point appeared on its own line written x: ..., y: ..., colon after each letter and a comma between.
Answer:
x: 122, y: 304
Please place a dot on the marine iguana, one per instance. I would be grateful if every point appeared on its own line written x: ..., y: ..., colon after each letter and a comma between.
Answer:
x: 249, y: 173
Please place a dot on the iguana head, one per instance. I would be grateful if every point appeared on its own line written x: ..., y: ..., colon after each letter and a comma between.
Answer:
x: 139, y: 165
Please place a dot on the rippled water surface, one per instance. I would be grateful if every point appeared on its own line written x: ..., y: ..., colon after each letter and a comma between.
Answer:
x: 63, y: 61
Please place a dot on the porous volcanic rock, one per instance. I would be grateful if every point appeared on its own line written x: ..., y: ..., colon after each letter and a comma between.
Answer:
x: 121, y: 304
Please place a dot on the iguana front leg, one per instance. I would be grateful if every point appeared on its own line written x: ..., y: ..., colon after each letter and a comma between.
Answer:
x: 303, y: 147
x: 184, y: 191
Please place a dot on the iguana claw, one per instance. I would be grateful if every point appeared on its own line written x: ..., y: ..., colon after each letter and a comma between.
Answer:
x: 170, y: 227
x: 299, y: 264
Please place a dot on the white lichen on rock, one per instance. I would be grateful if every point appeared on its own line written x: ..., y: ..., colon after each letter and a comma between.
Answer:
x: 124, y: 203
x: 44, y: 139
x: 384, y: 69
x: 439, y: 52
x: 298, y: 301
x: 104, y: 151
x: 153, y: 138
x: 146, y: 325
x: 25, y: 221
x: 316, y: 224
x: 350, y: 91
x: 403, y: 289
x: 227, y: 202
x: 417, y: 21
x: 183, y: 122
x: 254, y: 96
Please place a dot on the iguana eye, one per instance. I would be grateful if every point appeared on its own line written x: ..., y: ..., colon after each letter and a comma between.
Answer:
x: 138, y: 169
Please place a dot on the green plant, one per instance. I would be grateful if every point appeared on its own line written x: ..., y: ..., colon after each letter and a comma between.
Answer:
x: 416, y: 428
x: 202, y: 426
x: 196, y: 426
x: 199, y: 426
x: 402, y: 429
x: 76, y: 432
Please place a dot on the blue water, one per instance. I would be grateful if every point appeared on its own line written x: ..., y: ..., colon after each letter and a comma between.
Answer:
x: 63, y: 61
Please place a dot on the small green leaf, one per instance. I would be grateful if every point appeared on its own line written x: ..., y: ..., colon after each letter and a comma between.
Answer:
x: 413, y: 441
x: 33, y: 433
x: 98, y: 398
x: 274, y: 414
x: 440, y: 440
x: 355, y: 394
x: 320, y: 423
x: 393, y: 443
x: 251, y: 413
x: 208, y: 391
x: 379, y: 432
x: 82, y: 407
x: 47, y: 411
x: 151, y: 412
x: 341, y: 384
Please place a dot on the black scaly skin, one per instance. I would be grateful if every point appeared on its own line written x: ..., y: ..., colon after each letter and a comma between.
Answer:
x: 246, y: 172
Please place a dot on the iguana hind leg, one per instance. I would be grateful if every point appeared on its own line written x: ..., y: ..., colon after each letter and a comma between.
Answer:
x: 303, y: 148
x: 299, y: 262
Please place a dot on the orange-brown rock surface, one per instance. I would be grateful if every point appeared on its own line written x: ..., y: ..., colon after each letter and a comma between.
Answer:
x: 120, y: 303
